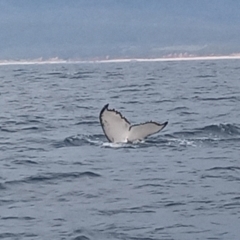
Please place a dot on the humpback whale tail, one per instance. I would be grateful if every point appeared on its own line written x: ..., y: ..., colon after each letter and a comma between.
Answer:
x: 118, y: 129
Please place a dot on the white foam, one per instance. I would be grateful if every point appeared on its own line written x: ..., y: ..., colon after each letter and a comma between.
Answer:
x: 114, y: 145
x: 182, y: 142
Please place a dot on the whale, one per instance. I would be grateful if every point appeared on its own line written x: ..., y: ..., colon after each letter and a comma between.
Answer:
x: 118, y: 129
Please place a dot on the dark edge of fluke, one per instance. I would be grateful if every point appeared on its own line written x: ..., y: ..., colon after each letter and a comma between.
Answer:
x: 100, y: 118
x: 103, y: 109
x: 159, y: 124
x: 115, y: 111
x: 165, y: 124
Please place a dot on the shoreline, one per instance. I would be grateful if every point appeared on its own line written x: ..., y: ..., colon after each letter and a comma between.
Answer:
x: 123, y: 60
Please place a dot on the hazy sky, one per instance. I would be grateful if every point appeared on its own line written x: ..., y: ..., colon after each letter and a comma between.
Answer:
x: 118, y: 28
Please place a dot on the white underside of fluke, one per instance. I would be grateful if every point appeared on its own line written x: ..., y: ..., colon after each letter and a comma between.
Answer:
x: 118, y: 129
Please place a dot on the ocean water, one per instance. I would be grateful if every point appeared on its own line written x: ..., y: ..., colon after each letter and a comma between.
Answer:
x: 61, y: 179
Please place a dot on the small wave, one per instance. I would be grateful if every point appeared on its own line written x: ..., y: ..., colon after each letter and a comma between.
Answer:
x: 139, y: 209
x: 231, y: 205
x: 9, y: 235
x: 19, y: 70
x: 131, y: 90
x: 205, y: 135
x: 79, y: 75
x: 79, y: 140
x: 89, y: 123
x: 171, y: 204
x: 8, y: 130
x: 182, y: 110
x: 81, y: 237
x: 205, y: 76
x: 178, y: 108
x: 163, y: 100
x: 25, y: 162
x: 188, y: 113
x: 226, y: 177
x: 151, y: 185
x: 132, y: 102
x: 216, y: 98
x: 28, y: 121
x: 114, y: 75
x: 18, y: 218
x: 54, y: 73
x: 49, y: 177
x: 216, y: 130
x: 30, y: 128
x: 229, y: 129
x: 229, y: 168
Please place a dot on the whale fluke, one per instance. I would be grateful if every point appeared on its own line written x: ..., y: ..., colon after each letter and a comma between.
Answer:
x: 118, y: 129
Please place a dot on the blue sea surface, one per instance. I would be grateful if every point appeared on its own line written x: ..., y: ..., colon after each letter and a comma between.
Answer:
x: 61, y: 179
